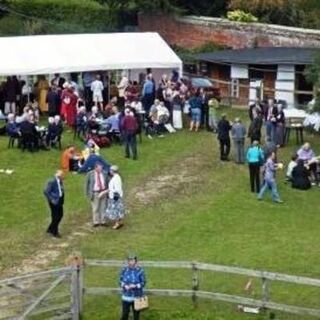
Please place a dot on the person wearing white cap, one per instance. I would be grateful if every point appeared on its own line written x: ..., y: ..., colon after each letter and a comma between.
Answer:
x: 115, y: 209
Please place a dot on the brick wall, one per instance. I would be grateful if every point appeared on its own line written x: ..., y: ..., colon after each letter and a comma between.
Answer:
x: 191, y: 31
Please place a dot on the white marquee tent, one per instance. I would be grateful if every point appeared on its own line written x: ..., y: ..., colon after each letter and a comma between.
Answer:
x: 48, y: 54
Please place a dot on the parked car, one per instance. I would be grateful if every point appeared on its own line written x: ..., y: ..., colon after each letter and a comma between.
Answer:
x: 197, y: 82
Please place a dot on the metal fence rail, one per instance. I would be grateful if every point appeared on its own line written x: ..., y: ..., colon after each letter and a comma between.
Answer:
x: 266, y: 279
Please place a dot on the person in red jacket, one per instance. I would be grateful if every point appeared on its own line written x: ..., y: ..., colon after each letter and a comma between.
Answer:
x: 69, y: 105
x: 129, y: 127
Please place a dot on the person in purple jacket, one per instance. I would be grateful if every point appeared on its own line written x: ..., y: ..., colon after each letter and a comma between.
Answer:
x: 307, y: 155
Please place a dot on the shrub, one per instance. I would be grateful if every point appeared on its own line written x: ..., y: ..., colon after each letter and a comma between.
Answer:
x: 241, y: 16
x: 66, y: 16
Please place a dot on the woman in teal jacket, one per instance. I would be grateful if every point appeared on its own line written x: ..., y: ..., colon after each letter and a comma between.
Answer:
x: 255, y: 159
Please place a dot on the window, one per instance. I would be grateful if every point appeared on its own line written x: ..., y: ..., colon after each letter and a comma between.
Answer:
x: 235, y: 88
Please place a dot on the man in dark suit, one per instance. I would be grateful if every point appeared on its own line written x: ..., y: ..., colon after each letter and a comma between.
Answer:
x: 54, y: 193
x: 224, y: 128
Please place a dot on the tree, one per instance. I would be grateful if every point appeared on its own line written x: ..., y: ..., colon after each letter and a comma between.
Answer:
x: 59, y: 16
x: 203, y: 7
x: 310, y: 13
x: 298, y: 13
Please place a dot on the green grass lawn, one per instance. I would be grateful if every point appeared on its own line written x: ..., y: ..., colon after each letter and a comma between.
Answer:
x: 205, y: 213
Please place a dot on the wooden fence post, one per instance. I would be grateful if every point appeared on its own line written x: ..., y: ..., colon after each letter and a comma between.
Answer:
x: 76, y: 262
x: 265, y: 291
x: 195, y: 284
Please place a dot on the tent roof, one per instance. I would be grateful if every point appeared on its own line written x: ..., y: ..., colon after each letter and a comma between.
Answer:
x: 265, y: 56
x: 49, y: 54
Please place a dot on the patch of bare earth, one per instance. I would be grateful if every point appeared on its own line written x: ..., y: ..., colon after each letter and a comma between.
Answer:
x: 184, y: 175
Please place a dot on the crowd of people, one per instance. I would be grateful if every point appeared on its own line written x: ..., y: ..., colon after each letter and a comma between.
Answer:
x: 101, y: 120
x: 85, y: 107
x: 30, y: 134
x: 302, y: 170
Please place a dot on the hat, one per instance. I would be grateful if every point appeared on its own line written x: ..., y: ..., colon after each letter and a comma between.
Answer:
x: 114, y: 168
x: 66, y: 85
x: 132, y: 256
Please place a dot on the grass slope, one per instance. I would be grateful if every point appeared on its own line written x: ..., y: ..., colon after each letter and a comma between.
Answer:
x: 210, y: 217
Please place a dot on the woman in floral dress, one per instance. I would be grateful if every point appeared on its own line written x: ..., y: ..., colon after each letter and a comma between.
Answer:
x: 115, y: 207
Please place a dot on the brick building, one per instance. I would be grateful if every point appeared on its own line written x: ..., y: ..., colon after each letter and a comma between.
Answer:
x: 269, y: 72
x: 274, y: 57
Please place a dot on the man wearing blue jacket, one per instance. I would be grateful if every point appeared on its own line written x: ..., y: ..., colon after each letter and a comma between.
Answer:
x: 54, y: 193
x: 91, y: 161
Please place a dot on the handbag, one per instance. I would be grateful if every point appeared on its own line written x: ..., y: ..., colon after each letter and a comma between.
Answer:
x: 116, y: 196
x: 141, y: 303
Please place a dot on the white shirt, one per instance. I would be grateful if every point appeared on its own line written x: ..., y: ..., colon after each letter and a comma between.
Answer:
x: 115, y: 185
x: 97, y: 87
x: 59, y: 187
x: 26, y: 90
x: 291, y: 166
x: 123, y: 86
x: 162, y: 111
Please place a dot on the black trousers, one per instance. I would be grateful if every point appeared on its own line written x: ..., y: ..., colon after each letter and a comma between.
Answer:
x: 254, y: 171
x: 130, y: 145
x: 147, y: 102
x: 224, y: 148
x: 205, y: 117
x: 126, y: 306
x: 88, y: 98
x: 56, y: 217
x: 120, y: 103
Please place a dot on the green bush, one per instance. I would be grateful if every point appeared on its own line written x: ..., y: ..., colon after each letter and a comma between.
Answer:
x: 66, y: 16
x: 11, y: 26
x: 241, y: 16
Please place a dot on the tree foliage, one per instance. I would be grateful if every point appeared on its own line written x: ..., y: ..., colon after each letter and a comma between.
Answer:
x: 298, y: 13
x: 204, y: 7
x: 69, y: 16
x: 58, y: 16
x: 241, y: 16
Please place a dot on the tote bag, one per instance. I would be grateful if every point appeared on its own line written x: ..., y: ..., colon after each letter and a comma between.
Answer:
x: 141, y: 303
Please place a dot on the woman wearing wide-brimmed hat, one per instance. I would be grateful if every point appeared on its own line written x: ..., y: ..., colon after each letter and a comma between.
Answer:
x: 115, y: 208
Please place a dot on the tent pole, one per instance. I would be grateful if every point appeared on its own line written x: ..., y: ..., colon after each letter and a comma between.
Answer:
x: 109, y: 83
x: 28, y: 86
x: 181, y: 70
